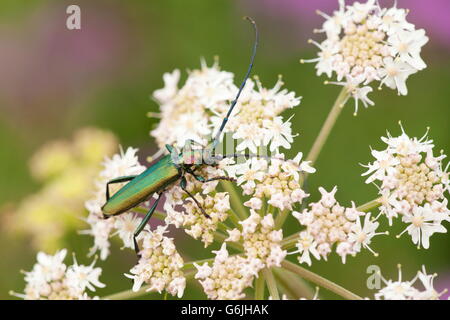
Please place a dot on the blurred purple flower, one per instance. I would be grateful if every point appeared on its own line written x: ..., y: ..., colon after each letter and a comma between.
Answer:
x: 430, y: 15
x: 45, y: 65
x: 443, y: 283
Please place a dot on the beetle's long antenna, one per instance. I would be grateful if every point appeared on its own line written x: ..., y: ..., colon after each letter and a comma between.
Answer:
x: 233, y: 104
x: 252, y: 155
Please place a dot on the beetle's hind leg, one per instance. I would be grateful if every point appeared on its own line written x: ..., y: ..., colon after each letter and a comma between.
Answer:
x: 183, y: 186
x: 144, y: 223
x: 117, y: 180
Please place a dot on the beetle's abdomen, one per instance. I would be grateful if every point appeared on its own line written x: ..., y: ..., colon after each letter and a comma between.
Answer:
x: 155, y: 178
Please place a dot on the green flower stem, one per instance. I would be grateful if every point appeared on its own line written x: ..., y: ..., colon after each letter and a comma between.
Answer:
x: 234, y: 218
x: 222, y: 227
x: 369, y: 206
x: 289, y: 242
x: 130, y: 294
x: 235, y: 200
x: 281, y: 218
x: 327, y: 284
x: 259, y: 287
x: 328, y: 125
x: 271, y: 284
x: 292, y: 285
x: 220, y: 238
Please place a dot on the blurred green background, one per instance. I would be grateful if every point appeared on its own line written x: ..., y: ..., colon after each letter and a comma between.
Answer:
x: 54, y: 81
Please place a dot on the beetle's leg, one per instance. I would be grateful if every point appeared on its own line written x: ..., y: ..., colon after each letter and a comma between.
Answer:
x: 202, y: 179
x: 221, y: 178
x: 183, y: 186
x: 144, y: 223
x: 117, y: 180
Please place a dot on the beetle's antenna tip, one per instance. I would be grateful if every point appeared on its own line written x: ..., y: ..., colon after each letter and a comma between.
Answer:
x: 249, y: 19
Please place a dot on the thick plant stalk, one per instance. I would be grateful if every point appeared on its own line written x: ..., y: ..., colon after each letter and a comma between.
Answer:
x: 328, y: 125
x: 291, y: 284
x: 259, y: 287
x: 281, y: 218
x: 271, y: 284
x: 327, y: 284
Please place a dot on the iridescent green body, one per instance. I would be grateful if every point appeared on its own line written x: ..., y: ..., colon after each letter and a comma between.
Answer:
x: 155, y: 179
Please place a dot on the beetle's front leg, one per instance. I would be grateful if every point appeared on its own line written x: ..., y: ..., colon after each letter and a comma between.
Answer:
x: 183, y: 184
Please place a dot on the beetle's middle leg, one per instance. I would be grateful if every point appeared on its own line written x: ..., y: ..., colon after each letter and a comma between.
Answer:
x: 183, y: 186
x: 144, y: 223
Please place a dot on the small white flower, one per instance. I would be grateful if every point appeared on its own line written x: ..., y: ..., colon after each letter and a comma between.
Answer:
x: 170, y: 87
x: 361, y: 235
x: 405, y: 290
x: 81, y: 277
x: 408, y: 44
x: 278, y: 133
x: 423, y: 225
x: 395, y: 73
x: 306, y: 245
x: 126, y: 225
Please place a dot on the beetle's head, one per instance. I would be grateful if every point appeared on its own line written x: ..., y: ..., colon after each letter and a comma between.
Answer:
x: 192, y: 157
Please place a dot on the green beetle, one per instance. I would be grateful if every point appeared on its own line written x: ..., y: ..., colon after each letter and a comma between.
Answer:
x: 170, y: 169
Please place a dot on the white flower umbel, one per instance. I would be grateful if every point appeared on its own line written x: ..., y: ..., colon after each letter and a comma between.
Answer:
x: 121, y: 164
x: 412, y: 184
x: 405, y: 290
x: 196, y: 110
x: 328, y: 224
x: 228, y: 276
x: 260, y: 239
x: 277, y: 182
x: 51, y: 279
x: 185, y: 112
x: 365, y: 44
x: 159, y: 265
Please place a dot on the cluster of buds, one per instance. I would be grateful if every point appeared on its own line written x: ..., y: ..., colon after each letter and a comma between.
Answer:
x: 260, y: 240
x: 329, y: 224
x: 228, y: 276
x: 278, y: 182
x: 159, y: 264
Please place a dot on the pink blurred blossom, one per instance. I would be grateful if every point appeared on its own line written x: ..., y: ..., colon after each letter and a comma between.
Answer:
x: 430, y: 15
x: 44, y: 65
